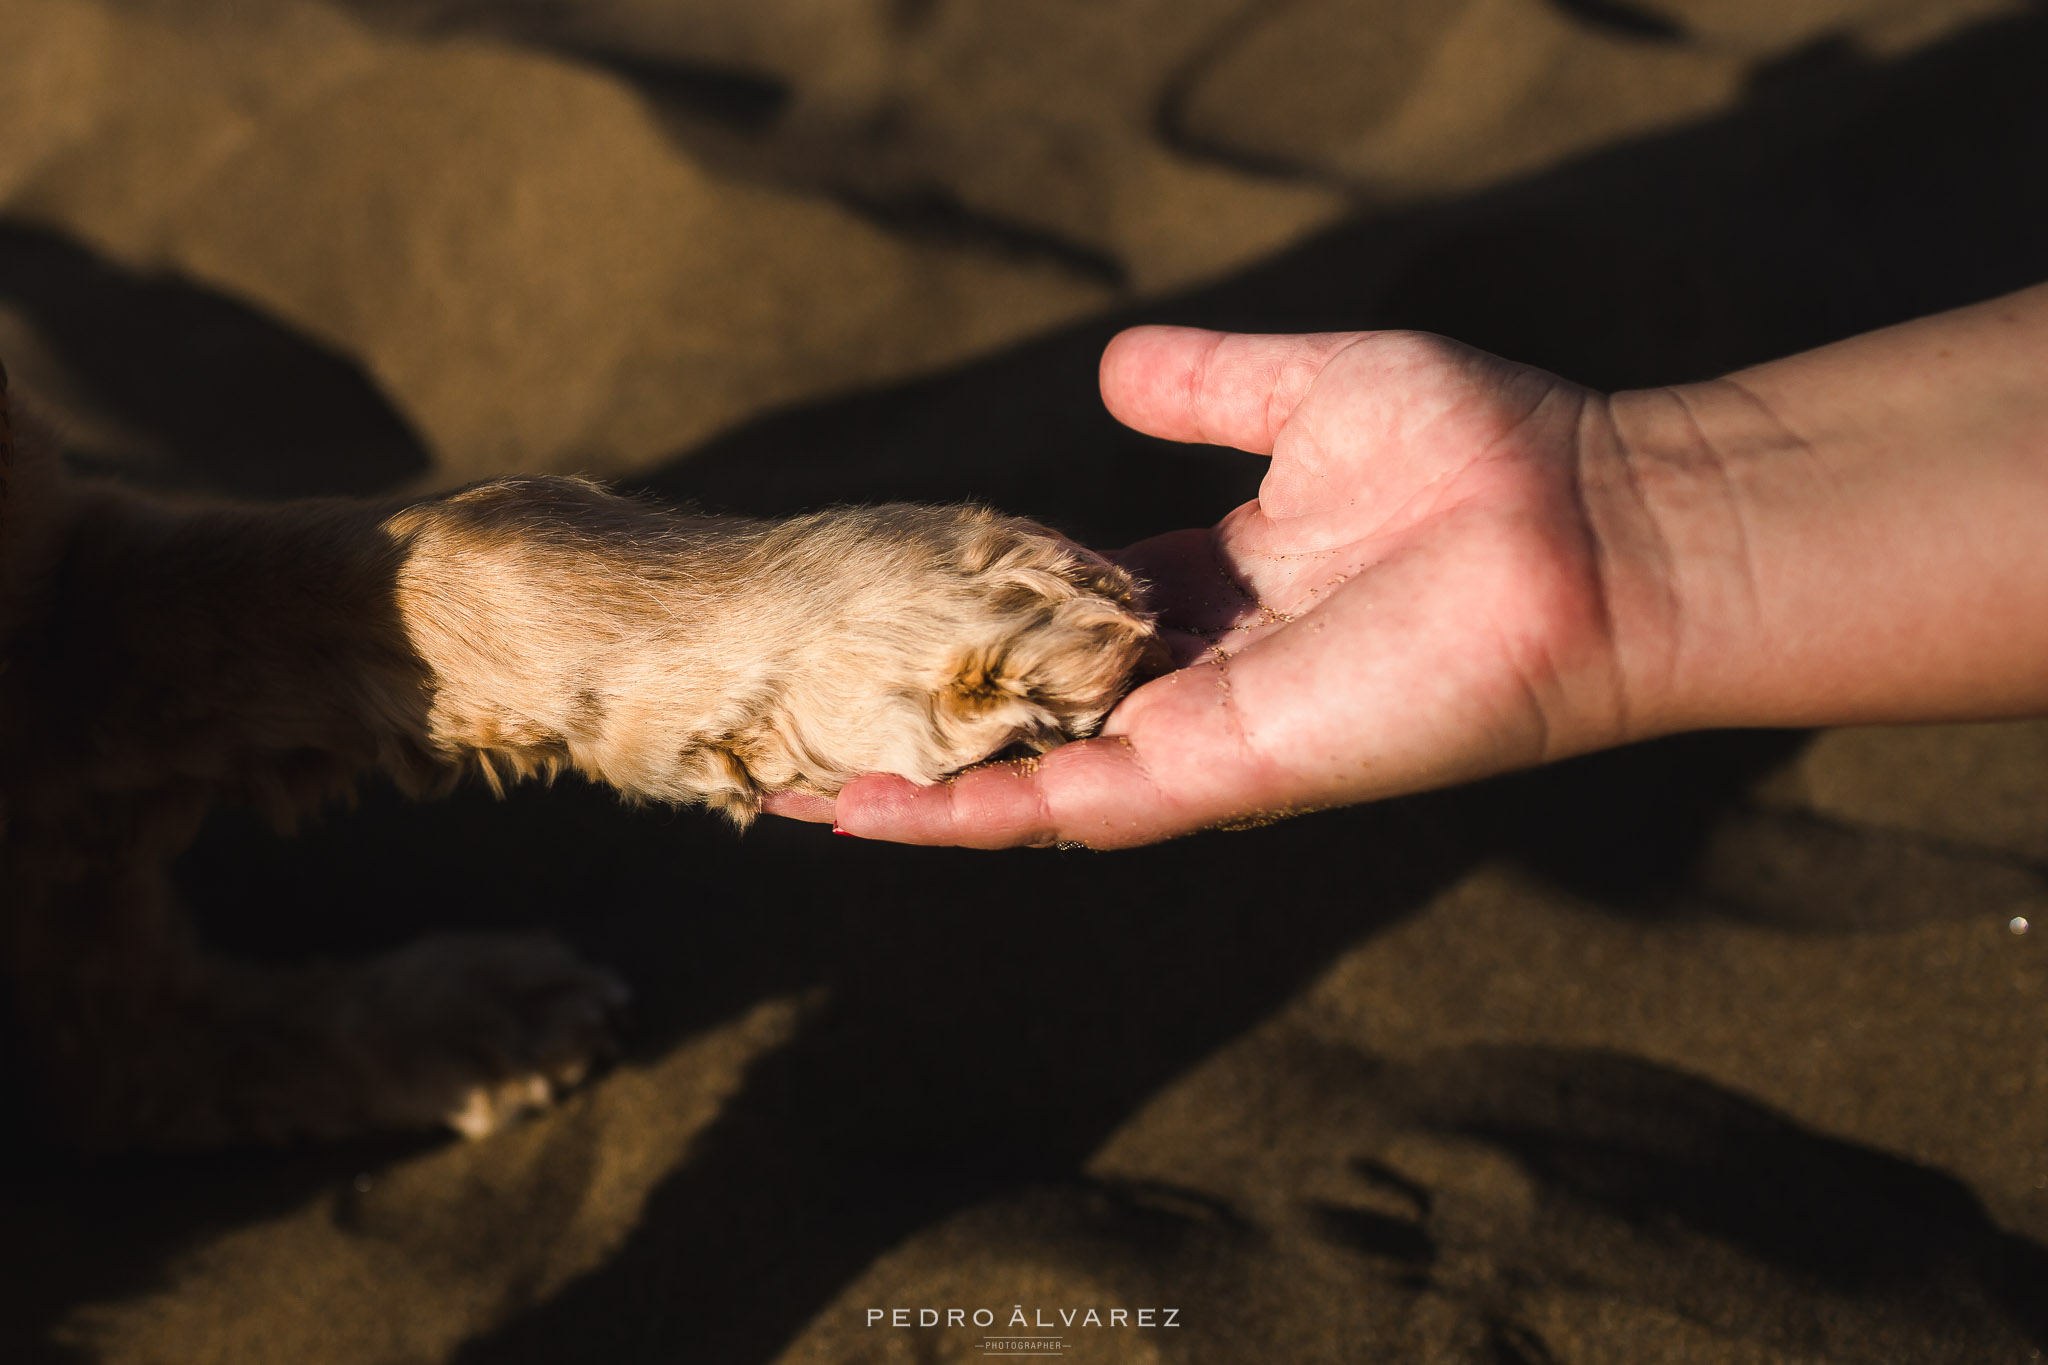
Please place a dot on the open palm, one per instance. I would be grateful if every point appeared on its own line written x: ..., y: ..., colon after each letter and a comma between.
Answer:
x: 1415, y: 597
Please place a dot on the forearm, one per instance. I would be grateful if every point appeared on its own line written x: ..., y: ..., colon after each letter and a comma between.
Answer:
x: 1855, y: 534
x: 223, y: 643
x: 183, y: 650
x: 545, y: 611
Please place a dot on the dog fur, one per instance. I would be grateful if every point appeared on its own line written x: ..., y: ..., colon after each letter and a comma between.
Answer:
x: 158, y: 656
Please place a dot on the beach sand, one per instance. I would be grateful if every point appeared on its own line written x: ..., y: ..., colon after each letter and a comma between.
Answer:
x: 1728, y: 1048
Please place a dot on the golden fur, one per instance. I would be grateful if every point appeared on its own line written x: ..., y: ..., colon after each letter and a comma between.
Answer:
x: 158, y: 656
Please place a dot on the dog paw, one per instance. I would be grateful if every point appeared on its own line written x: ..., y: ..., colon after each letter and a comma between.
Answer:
x: 717, y: 660
x: 475, y: 1030
x: 919, y: 641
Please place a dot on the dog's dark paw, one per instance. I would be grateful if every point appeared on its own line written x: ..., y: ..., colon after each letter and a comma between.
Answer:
x: 474, y: 1030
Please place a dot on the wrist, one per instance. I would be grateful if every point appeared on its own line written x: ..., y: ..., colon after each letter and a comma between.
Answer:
x: 1848, y: 536
x: 1676, y: 481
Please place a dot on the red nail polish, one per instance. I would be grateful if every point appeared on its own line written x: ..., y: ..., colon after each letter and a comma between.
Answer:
x: 847, y: 832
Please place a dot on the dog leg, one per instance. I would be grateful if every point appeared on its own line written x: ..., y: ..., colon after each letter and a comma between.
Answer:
x: 136, y: 1038
x: 531, y: 625
x: 698, y: 659
x: 167, y: 656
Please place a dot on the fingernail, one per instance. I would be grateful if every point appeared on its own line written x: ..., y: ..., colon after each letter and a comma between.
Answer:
x: 847, y: 832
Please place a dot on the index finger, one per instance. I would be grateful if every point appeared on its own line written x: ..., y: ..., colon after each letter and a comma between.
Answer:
x: 1178, y: 760
x: 1067, y: 796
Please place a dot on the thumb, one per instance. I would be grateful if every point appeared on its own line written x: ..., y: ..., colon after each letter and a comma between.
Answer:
x: 1221, y: 388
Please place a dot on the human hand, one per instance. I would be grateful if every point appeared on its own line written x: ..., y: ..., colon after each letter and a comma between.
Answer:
x: 1415, y: 598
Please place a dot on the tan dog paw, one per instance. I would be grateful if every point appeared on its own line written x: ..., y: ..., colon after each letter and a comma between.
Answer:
x: 719, y: 660
x: 920, y: 641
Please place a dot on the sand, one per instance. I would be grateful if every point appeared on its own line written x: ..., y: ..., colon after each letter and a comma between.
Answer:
x: 1726, y: 1049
